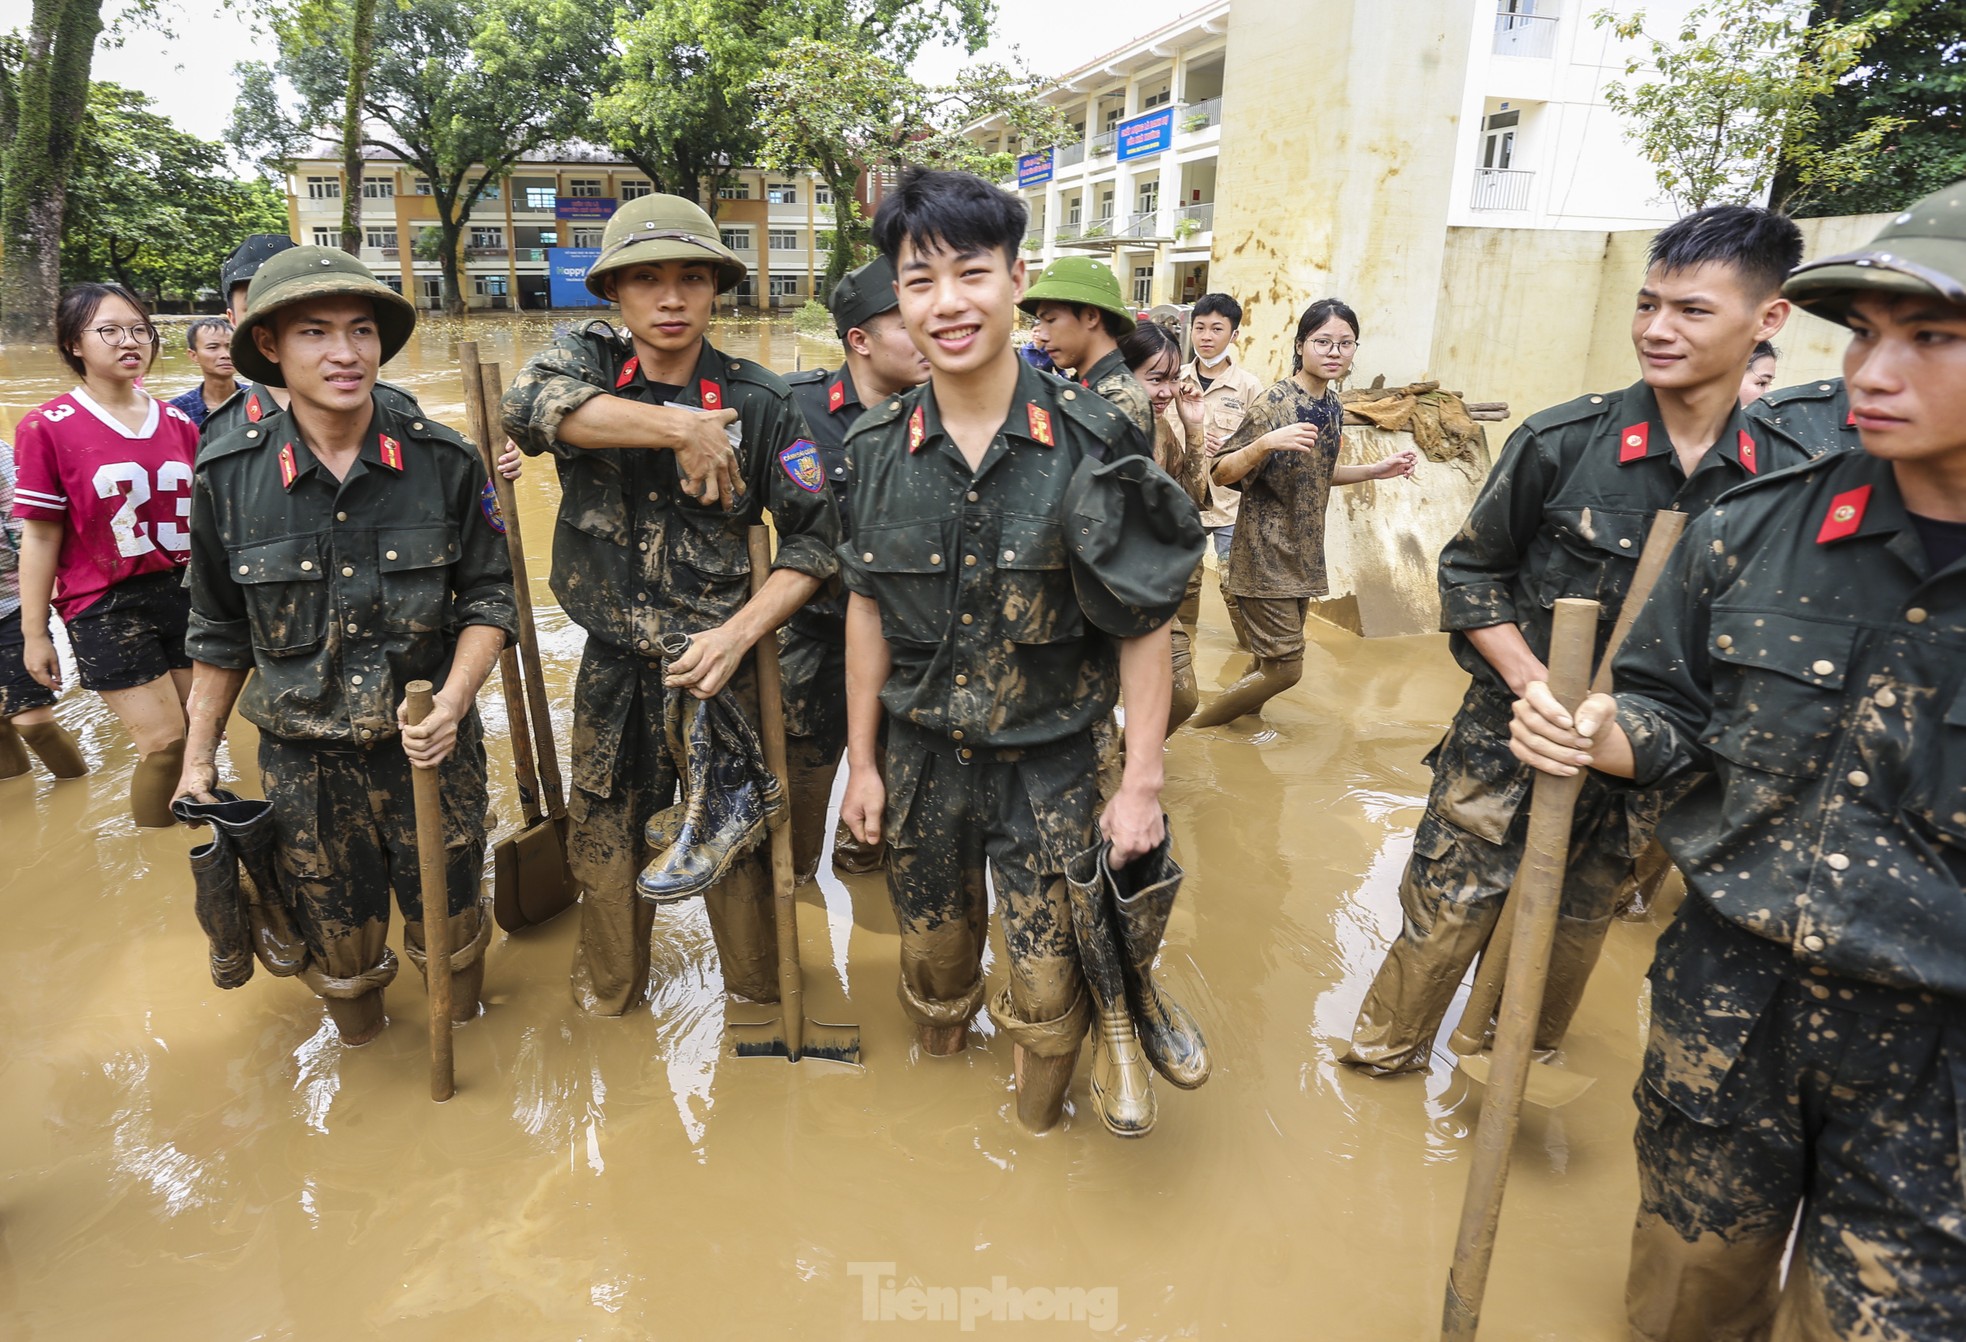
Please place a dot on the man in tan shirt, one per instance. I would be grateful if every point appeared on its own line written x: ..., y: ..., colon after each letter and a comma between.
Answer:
x: 1227, y: 390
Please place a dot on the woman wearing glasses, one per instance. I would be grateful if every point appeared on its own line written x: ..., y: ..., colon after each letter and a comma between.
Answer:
x: 1284, y: 459
x: 104, y: 491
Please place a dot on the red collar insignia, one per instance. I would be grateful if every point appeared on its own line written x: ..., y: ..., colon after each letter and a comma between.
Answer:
x: 392, y: 453
x: 289, y: 468
x: 1747, y: 454
x: 917, y: 430
x: 627, y: 373
x: 1850, y: 420
x: 1633, y: 442
x: 253, y: 413
x: 710, y: 394
x: 836, y: 396
x: 1040, y: 424
x: 1846, y: 514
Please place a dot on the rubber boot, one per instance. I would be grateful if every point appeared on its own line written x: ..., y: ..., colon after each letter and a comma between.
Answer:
x: 1042, y: 1077
x: 1186, y: 696
x: 248, y: 825
x: 730, y: 800
x: 1142, y: 900
x: 470, y: 935
x: 220, y: 904
x: 57, y: 749
x: 1122, y: 1087
x: 854, y: 857
x: 153, y: 783
x: 354, y: 1004
x: 13, y: 753
x: 1248, y: 695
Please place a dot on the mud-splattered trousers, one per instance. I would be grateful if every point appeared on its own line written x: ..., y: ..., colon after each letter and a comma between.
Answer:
x: 1564, y: 514
x: 635, y: 558
x: 995, y: 665
x: 336, y: 595
x: 1805, y: 661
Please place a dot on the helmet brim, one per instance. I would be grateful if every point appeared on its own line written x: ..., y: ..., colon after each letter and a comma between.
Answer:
x: 731, y: 271
x: 1902, y: 266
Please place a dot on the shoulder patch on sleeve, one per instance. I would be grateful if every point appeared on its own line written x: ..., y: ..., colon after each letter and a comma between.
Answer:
x: 800, y: 462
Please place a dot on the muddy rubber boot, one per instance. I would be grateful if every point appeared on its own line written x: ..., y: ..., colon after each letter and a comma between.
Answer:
x: 57, y: 750
x: 1142, y: 900
x: 1122, y: 1087
x: 354, y: 1004
x: 470, y: 935
x: 153, y: 783
x: 248, y: 825
x: 1043, y: 1055
x: 854, y: 857
x: 731, y: 799
x: 13, y: 752
x: 1249, y: 694
x: 219, y: 902
x: 942, y: 1041
x: 1186, y: 695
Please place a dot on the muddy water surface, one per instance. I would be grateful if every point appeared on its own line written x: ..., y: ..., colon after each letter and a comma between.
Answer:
x: 185, y: 1163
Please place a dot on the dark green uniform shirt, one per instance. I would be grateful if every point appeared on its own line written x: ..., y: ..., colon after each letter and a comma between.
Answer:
x: 1803, y: 654
x: 337, y: 594
x: 1814, y: 418
x: 633, y: 556
x: 1565, y: 511
x: 971, y: 569
x: 1112, y: 379
x: 829, y: 405
x: 253, y: 403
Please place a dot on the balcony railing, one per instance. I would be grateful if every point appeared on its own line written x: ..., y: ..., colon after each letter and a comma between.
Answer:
x: 1193, y: 220
x: 1034, y: 240
x: 1068, y: 155
x: 1140, y: 224
x: 1519, y: 34
x: 476, y: 253
x: 1200, y: 116
x: 1500, y: 189
x: 1067, y: 232
x: 1100, y: 145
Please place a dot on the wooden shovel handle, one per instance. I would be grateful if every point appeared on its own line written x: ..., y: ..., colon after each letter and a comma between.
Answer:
x: 771, y: 720
x: 436, y: 902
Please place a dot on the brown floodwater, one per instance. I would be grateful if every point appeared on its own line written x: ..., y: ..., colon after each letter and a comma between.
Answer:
x: 186, y: 1163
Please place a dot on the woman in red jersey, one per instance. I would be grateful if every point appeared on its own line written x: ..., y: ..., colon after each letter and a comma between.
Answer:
x: 104, y: 491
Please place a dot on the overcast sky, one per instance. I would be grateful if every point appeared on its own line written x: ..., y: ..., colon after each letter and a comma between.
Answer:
x: 190, y: 74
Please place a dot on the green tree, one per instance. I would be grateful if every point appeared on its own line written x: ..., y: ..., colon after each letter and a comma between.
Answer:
x: 152, y: 207
x: 44, y: 89
x: 461, y: 90
x: 1732, y: 98
x: 1916, y: 72
x: 840, y: 109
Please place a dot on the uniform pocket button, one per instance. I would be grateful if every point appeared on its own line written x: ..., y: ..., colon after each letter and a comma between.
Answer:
x: 1822, y: 668
x: 1917, y: 615
x: 347, y: 572
x: 1812, y: 942
x: 1858, y: 778
x: 1838, y: 862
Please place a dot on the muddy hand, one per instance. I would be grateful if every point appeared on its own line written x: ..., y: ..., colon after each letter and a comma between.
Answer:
x: 197, y: 782
x: 1544, y: 736
x: 707, y: 462
x: 511, y: 462
x: 862, y: 804
x: 1133, y: 824
x: 430, y: 742
x: 1398, y: 465
x: 42, y: 662
x: 707, y: 667
x: 1291, y: 438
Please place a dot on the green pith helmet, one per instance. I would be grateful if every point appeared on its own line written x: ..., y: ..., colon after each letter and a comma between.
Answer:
x: 1078, y: 279
x: 1922, y: 251
x: 862, y: 295
x: 663, y: 228
x: 315, y: 272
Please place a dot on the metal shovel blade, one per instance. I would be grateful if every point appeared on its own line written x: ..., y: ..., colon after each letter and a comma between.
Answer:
x: 530, y: 881
x: 766, y: 1039
x: 1548, y: 1087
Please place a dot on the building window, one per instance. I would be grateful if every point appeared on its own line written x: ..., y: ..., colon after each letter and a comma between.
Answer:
x: 549, y: 237
x: 381, y: 237
x: 785, y: 239
x: 541, y: 197
x: 1158, y: 98
x: 324, y: 188
x: 1112, y: 117
x: 584, y: 186
x: 395, y: 282
x: 1143, y: 285
x: 822, y: 194
x: 784, y: 286
x: 586, y: 237
x: 636, y: 190
x: 432, y: 287
x: 490, y: 192
x: 378, y: 188
x: 741, y: 191
x: 491, y: 286
x: 422, y: 187
x: 488, y: 237
x: 1149, y: 198
x: 782, y: 193
x: 327, y: 237
x: 737, y: 239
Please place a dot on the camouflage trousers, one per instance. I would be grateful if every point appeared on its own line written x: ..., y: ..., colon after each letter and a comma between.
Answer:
x: 622, y: 775
x: 1017, y: 816
x: 1770, y: 1090
x: 346, y: 825
x: 1466, y: 850
x: 813, y: 673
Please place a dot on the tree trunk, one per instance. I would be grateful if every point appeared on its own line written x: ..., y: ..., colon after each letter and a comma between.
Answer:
x: 452, y: 263
x: 849, y: 230
x: 361, y: 54
x: 51, y: 94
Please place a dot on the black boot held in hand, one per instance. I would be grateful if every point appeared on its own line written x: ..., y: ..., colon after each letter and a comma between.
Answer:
x: 1143, y: 897
x: 1122, y: 1087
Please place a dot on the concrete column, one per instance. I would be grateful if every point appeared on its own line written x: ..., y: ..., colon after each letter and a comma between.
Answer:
x: 1342, y: 191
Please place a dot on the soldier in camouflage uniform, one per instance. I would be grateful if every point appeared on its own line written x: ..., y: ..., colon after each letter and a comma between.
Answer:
x: 1814, y: 417
x: 981, y: 621
x: 1564, y: 514
x: 1804, y: 659
x: 668, y: 451
x: 1081, y: 318
x: 881, y: 362
x: 339, y: 550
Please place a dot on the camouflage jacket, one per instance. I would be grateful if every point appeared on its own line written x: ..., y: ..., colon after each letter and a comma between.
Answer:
x: 1814, y: 418
x: 971, y: 570
x: 337, y: 594
x: 633, y: 556
x: 1800, y: 651
x: 253, y: 403
x: 1565, y: 511
x: 1113, y: 380
x: 1278, y: 550
x: 830, y: 406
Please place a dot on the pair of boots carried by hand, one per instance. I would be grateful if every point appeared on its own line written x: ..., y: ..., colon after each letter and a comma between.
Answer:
x: 239, y: 901
x: 1118, y: 918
